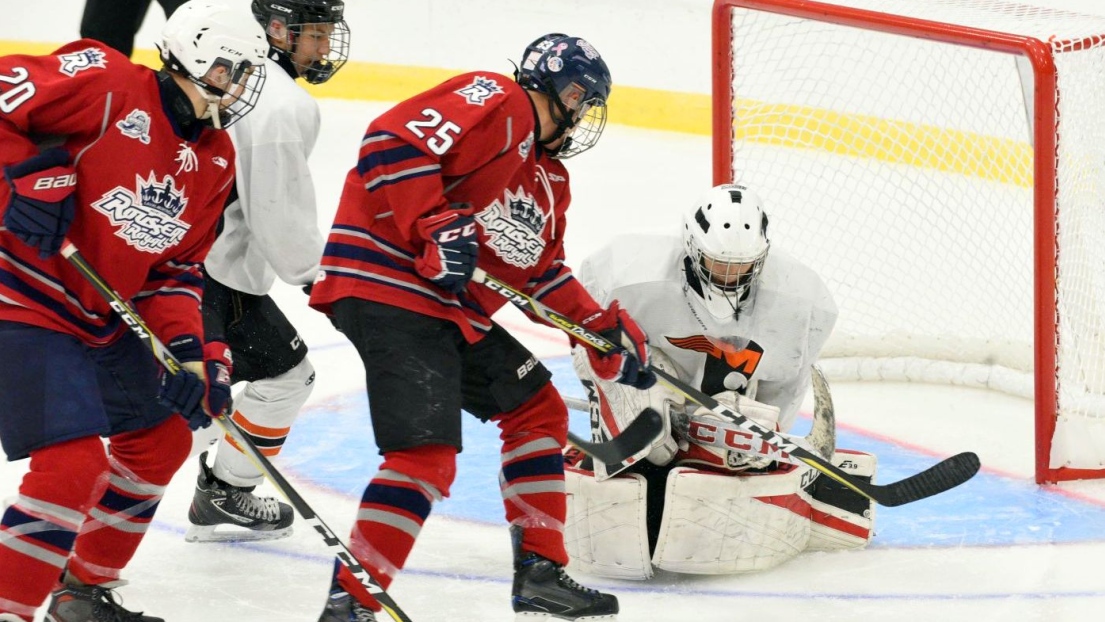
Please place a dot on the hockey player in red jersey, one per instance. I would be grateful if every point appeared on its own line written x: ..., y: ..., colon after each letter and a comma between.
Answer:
x: 126, y: 163
x: 470, y: 172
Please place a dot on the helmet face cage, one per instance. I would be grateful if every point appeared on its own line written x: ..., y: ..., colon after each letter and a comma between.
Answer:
x: 570, y: 71
x: 725, y: 237
x: 308, y: 18
x: 236, y: 86
x: 222, y: 51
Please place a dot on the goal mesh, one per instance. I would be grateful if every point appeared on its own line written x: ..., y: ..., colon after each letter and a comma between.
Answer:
x: 947, y: 179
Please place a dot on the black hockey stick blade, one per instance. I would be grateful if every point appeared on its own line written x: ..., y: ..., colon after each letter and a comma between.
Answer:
x: 634, y: 439
x: 942, y: 476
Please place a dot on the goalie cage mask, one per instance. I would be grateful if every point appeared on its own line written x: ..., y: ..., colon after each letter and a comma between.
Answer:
x: 726, y: 244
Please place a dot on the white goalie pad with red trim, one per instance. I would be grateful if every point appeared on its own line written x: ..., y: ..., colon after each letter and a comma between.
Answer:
x: 841, y: 518
x: 717, y: 523
x: 605, y: 531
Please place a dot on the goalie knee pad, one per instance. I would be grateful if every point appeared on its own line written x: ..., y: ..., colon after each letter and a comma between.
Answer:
x: 718, y: 523
x: 605, y: 532
x: 842, y: 518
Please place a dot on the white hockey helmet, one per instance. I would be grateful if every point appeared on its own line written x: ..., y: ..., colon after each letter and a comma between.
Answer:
x: 725, y: 238
x: 222, y: 51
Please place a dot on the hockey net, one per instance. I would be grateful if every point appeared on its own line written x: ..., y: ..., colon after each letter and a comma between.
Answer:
x: 947, y: 179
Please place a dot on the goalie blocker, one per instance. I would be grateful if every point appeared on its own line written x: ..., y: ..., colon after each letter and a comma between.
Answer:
x: 711, y: 522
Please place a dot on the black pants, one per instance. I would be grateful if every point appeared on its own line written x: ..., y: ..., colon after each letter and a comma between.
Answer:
x: 115, y: 22
x: 264, y: 343
x: 420, y: 372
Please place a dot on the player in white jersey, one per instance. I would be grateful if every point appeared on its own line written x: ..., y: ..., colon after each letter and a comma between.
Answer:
x: 270, y: 230
x: 744, y: 322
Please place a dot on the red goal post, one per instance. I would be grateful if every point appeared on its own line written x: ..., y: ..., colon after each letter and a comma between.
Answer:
x: 941, y: 163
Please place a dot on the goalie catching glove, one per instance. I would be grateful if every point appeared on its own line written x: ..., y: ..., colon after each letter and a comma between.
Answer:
x: 201, y: 389
x: 721, y: 459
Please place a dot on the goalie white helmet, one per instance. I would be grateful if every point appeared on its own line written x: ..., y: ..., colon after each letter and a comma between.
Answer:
x: 725, y: 238
x: 221, y: 50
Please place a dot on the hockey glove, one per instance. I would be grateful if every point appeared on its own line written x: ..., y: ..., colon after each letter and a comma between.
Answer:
x: 628, y: 364
x: 201, y: 390
x: 42, y: 202
x: 449, y: 256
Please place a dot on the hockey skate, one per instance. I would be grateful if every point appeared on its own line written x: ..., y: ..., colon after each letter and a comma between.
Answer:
x: 221, y: 512
x: 341, y: 607
x: 90, y: 603
x: 543, y: 591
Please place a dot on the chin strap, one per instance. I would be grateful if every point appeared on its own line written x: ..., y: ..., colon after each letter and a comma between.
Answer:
x: 212, y: 112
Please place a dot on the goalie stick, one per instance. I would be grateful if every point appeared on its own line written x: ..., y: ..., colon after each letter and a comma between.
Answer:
x: 942, y: 476
x: 647, y: 427
x: 173, y: 366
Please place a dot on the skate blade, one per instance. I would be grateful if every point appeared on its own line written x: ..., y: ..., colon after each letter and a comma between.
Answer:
x: 212, y: 533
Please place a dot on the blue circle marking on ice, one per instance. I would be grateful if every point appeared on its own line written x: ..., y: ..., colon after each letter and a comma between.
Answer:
x: 332, y: 445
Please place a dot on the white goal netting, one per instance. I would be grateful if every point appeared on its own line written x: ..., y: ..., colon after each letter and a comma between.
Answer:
x: 898, y: 157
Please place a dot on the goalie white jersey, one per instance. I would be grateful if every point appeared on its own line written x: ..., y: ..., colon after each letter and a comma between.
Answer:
x: 765, y: 354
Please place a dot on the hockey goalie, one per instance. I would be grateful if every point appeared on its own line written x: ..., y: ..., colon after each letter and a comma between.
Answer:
x: 746, y: 326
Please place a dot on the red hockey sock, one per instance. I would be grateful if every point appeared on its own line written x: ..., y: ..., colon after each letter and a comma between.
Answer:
x: 37, y: 532
x: 142, y: 463
x: 533, y: 436
x: 393, y: 509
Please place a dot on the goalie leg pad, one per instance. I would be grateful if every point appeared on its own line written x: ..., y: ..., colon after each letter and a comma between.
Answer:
x: 717, y: 523
x: 842, y: 518
x: 606, y: 533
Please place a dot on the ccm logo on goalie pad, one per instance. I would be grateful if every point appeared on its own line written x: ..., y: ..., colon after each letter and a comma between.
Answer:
x: 733, y: 440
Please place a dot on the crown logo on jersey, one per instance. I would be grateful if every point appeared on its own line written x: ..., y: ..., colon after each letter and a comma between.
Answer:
x: 525, y: 212
x: 87, y: 58
x: 161, y: 197
x: 481, y: 90
x: 148, y: 218
x: 513, y: 226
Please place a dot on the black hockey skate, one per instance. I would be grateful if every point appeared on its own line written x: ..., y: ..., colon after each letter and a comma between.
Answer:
x: 543, y: 591
x: 246, y: 516
x: 90, y: 603
x: 341, y: 607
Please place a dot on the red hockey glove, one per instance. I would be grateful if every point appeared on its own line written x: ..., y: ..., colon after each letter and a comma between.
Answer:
x: 201, y: 390
x: 449, y: 255
x: 628, y: 364
x: 42, y: 204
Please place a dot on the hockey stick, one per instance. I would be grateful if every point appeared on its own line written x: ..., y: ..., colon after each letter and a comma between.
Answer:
x: 173, y: 366
x: 943, y: 476
x: 629, y: 442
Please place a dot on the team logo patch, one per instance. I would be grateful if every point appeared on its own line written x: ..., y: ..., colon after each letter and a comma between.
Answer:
x: 513, y: 226
x: 525, y: 147
x: 588, y: 50
x: 148, y: 218
x: 87, y: 58
x: 481, y: 90
x: 136, y: 125
x: 730, y: 361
